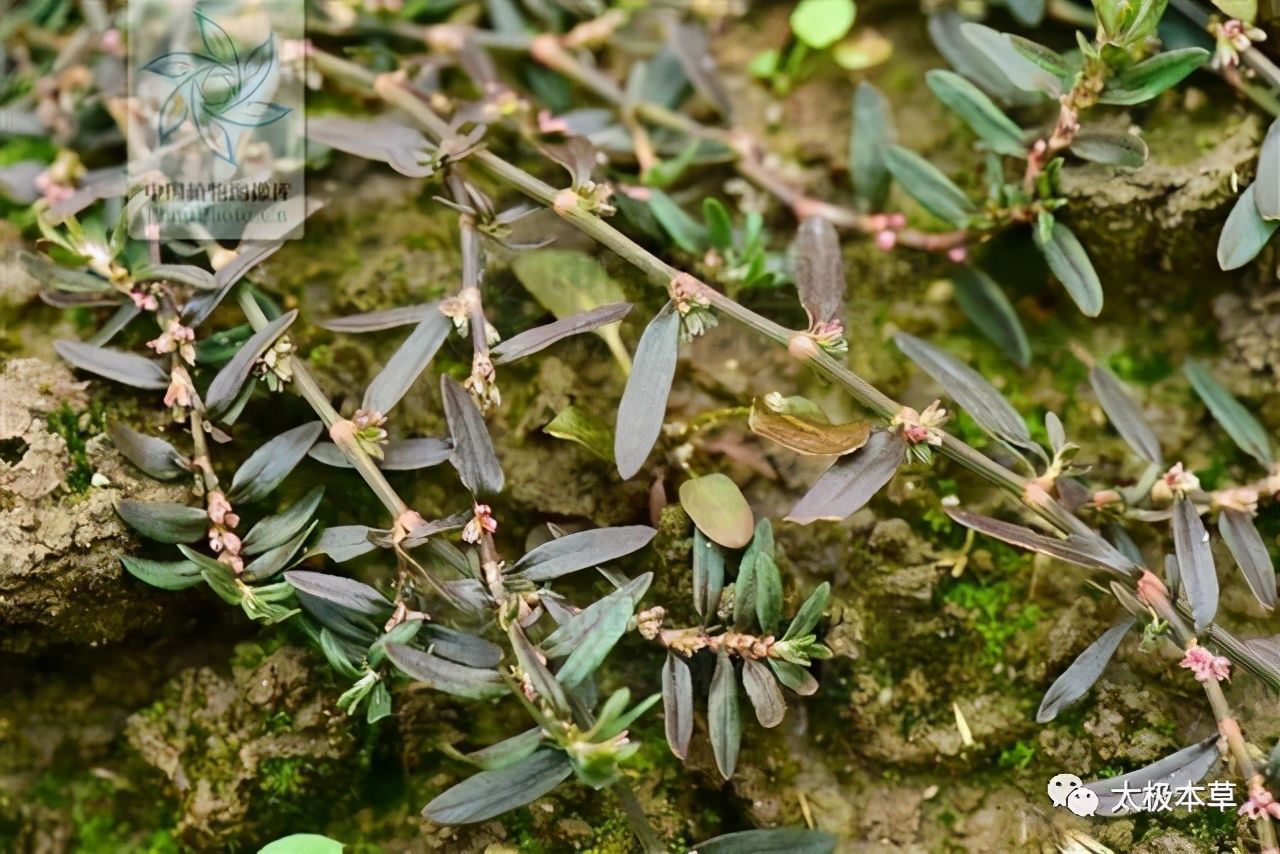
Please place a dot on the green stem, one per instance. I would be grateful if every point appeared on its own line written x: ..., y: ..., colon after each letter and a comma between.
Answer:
x: 310, y: 390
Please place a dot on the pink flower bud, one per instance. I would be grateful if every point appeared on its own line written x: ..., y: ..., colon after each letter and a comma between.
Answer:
x: 886, y: 240
x: 958, y: 254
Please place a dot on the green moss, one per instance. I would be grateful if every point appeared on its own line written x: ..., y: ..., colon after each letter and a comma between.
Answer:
x: 997, y: 610
x: 76, y: 428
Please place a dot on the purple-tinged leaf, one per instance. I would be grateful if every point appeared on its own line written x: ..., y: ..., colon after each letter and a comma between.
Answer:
x: 277, y: 530
x: 985, y: 304
x: 473, y: 454
x: 723, y: 719
x: 1185, y: 768
x: 272, y: 463
x: 762, y: 690
x: 348, y: 608
x: 119, y: 319
x: 1087, y: 550
x: 774, y: 840
x: 344, y: 542
x: 503, y: 754
x: 463, y: 648
x: 819, y: 270
x: 249, y: 254
x: 689, y: 44
x: 164, y: 522
x: 644, y: 401
x: 1195, y: 562
x: 541, y: 679
x: 182, y: 274
x: 970, y: 390
x: 1250, y: 553
x: 376, y: 321
x: 473, y: 683
x: 541, y: 337
x: 175, y: 575
x: 852, y: 481
x: 115, y: 365
x: 18, y: 181
x: 226, y: 386
x: 154, y: 456
x: 1125, y: 415
x: 405, y: 455
x: 491, y: 793
x: 408, y: 362
x: 584, y: 549
x: 677, y: 704
x: 67, y: 279
x: 403, y: 148
x: 1077, y: 679
x: 708, y: 574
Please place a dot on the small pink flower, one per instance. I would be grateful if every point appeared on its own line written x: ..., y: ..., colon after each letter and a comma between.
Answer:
x: 181, y: 391
x: 918, y: 427
x: 220, y: 510
x: 958, y: 254
x: 886, y: 240
x: 144, y: 301
x: 481, y: 521
x: 547, y: 123
x: 1205, y: 665
x: 111, y: 42
x: 176, y: 339
x: 1261, y: 803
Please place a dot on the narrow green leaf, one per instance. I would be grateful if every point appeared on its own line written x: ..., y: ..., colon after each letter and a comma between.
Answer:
x: 708, y: 575
x: 688, y: 234
x: 873, y: 131
x: 164, y: 522
x: 577, y: 425
x: 1022, y: 72
x: 1239, y: 423
x: 768, y: 593
x: 1152, y: 76
x: 1245, y: 232
x: 1070, y: 263
x: 1110, y: 148
x: 810, y: 612
x: 978, y: 112
x: 987, y: 307
x: 587, y: 657
x: 173, y: 575
x: 927, y: 185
